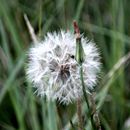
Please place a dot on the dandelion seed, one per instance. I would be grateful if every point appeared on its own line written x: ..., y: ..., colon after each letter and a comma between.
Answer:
x: 53, y: 70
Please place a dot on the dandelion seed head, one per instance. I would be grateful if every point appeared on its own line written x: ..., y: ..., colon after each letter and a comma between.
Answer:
x: 53, y: 70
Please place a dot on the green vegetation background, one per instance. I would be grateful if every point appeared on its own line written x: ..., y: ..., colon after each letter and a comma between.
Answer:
x: 107, y: 22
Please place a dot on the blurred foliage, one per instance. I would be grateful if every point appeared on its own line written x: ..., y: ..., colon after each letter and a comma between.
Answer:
x: 107, y: 22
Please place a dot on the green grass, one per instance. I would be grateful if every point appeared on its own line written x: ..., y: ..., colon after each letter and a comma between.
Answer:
x: 107, y: 22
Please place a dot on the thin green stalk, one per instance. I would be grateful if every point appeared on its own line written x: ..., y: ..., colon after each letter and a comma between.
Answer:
x: 83, y: 86
x: 85, y: 96
x: 80, y: 59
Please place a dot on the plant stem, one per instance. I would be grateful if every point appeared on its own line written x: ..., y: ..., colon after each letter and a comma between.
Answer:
x: 83, y: 86
x: 95, y: 115
x: 80, y: 58
x: 85, y: 97
x: 79, y: 113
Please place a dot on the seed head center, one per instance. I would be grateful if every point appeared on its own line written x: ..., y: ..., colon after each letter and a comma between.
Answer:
x: 64, y: 72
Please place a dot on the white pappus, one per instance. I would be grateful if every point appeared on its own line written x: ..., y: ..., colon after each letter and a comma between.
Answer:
x: 53, y: 70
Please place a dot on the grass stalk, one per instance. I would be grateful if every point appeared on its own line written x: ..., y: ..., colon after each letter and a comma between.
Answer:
x: 79, y: 113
